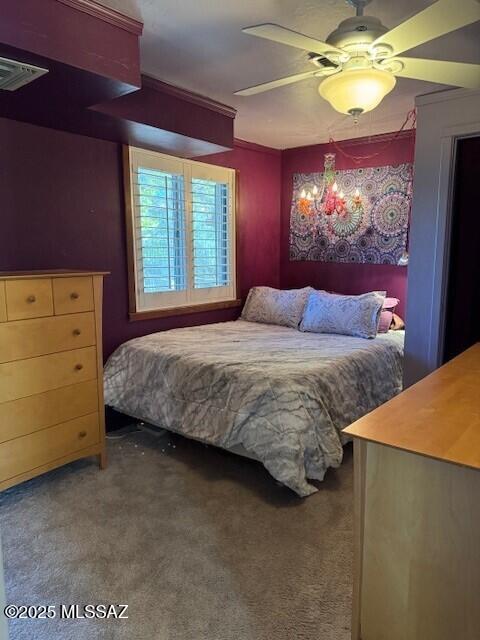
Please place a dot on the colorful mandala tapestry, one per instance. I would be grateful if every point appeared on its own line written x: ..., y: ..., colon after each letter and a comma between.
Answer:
x: 371, y: 224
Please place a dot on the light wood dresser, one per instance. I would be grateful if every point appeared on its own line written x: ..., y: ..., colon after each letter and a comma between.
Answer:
x: 51, y: 371
x: 417, y: 510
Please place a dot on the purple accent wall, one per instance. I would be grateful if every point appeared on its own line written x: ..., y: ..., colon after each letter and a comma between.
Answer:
x: 339, y: 277
x: 62, y: 206
x: 258, y: 206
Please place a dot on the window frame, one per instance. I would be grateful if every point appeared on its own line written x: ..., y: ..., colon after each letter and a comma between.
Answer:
x: 191, y: 300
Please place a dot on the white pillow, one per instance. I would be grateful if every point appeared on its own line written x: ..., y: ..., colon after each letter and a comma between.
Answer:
x: 275, y: 306
x: 347, y: 315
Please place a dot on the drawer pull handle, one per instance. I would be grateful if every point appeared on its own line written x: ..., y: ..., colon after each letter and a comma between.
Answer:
x: 76, y: 332
x: 82, y: 434
x: 74, y: 295
x: 31, y: 299
x: 79, y: 367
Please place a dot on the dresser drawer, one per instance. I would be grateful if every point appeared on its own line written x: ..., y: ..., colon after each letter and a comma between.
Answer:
x: 29, y: 338
x: 26, y: 415
x: 3, y: 302
x: 36, y: 375
x: 24, y: 454
x: 29, y: 298
x: 72, y: 295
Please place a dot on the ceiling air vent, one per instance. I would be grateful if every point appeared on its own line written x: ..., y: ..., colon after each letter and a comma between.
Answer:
x: 14, y: 75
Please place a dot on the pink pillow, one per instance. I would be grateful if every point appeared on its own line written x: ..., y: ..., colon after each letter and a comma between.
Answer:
x: 386, y: 315
x: 386, y: 318
x: 390, y: 303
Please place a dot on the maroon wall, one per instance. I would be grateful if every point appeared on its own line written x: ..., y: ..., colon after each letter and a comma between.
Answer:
x: 62, y: 206
x: 258, y: 222
x: 343, y: 278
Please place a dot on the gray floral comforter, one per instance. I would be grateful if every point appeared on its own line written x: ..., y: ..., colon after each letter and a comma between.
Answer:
x: 282, y: 394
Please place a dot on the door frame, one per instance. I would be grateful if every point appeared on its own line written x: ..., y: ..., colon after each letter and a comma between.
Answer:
x: 443, y: 118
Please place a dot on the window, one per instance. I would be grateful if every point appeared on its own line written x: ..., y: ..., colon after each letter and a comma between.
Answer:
x: 181, y: 223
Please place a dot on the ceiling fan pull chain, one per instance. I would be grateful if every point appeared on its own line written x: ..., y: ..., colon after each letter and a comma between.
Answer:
x: 410, y: 119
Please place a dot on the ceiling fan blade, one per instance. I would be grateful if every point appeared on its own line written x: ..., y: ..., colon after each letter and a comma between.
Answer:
x: 294, y: 39
x: 457, y: 74
x: 439, y: 18
x: 281, y: 82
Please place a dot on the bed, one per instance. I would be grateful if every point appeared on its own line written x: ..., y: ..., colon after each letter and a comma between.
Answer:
x: 280, y: 395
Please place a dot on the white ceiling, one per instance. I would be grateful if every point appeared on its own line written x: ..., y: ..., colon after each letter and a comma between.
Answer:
x: 198, y: 45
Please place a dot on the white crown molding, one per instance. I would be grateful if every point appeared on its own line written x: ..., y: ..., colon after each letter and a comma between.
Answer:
x: 444, y: 95
x: 106, y: 14
x: 184, y: 94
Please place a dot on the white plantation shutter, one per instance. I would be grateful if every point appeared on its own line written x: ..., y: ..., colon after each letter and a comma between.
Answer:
x: 160, y: 230
x: 210, y: 233
x: 184, y: 231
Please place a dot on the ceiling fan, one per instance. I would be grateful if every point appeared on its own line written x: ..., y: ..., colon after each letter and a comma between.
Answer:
x: 360, y: 61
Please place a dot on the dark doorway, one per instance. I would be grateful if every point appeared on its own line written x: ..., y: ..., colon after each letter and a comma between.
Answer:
x: 463, y: 293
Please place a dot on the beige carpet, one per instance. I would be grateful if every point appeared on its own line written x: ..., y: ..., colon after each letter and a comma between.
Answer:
x: 201, y: 544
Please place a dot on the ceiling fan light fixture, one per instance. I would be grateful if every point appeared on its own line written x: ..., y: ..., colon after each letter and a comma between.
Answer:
x: 357, y: 90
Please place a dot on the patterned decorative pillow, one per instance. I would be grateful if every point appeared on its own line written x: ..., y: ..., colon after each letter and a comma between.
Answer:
x: 348, y: 315
x: 276, y: 306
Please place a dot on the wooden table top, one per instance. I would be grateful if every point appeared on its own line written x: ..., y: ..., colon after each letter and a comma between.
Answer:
x: 438, y: 417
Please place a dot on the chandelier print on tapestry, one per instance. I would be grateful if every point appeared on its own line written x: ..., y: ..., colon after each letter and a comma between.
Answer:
x: 356, y: 215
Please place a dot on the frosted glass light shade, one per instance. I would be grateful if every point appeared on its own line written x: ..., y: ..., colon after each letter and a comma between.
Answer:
x: 357, y: 90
